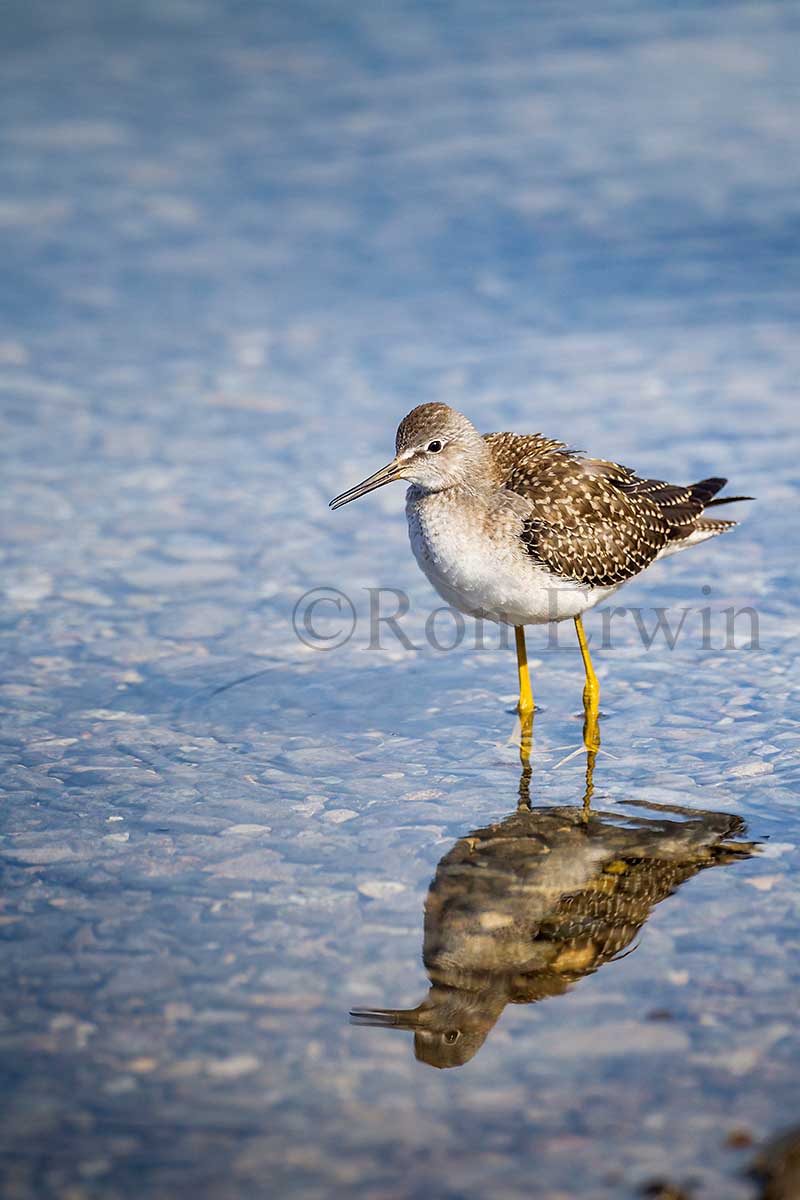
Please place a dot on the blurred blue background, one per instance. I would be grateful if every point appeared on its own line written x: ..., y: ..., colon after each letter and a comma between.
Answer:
x: 239, y: 242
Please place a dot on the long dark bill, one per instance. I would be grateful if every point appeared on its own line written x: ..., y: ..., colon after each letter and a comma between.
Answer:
x: 387, y: 1018
x: 387, y: 474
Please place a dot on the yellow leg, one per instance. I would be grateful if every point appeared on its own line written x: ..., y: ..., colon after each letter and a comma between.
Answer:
x: 525, y: 717
x: 591, y: 755
x: 591, y: 692
x: 525, y: 747
x: 591, y: 697
x: 525, y: 693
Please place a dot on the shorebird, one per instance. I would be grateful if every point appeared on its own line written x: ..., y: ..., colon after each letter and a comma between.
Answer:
x: 522, y: 909
x: 519, y: 529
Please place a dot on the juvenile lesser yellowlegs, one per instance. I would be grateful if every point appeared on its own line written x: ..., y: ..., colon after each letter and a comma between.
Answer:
x: 518, y: 529
x: 522, y: 909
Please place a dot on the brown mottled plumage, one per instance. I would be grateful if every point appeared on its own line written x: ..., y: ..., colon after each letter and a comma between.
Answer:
x: 520, y: 910
x: 593, y: 521
x: 582, y: 520
x: 520, y: 530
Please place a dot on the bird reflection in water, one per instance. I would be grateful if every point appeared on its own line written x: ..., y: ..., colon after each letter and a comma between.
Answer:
x: 522, y: 909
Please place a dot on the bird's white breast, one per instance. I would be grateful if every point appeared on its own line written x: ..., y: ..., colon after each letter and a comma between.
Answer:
x: 479, y: 566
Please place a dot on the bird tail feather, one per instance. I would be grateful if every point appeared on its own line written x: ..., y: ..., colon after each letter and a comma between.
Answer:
x: 727, y: 500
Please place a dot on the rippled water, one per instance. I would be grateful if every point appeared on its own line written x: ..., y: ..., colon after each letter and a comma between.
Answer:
x: 239, y: 242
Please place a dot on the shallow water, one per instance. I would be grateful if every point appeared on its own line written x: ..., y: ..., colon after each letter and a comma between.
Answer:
x: 239, y: 244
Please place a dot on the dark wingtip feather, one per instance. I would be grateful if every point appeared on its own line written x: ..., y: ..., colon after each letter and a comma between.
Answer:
x: 728, y: 500
x: 704, y: 489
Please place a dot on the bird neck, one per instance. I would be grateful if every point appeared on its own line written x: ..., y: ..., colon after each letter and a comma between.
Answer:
x: 463, y: 488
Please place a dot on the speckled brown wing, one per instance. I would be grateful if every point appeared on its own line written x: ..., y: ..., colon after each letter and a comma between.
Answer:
x: 593, y: 521
x: 521, y: 454
x: 597, y: 924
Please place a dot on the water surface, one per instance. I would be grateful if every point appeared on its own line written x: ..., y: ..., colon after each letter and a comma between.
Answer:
x: 240, y: 242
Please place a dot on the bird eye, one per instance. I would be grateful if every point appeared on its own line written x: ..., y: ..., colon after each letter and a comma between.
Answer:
x: 434, y: 447
x: 452, y: 1036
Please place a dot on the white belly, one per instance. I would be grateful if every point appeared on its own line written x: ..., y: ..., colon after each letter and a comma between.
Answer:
x: 488, y: 578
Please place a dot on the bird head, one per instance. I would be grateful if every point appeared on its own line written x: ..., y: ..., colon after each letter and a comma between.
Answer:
x: 449, y: 1026
x: 436, y: 448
